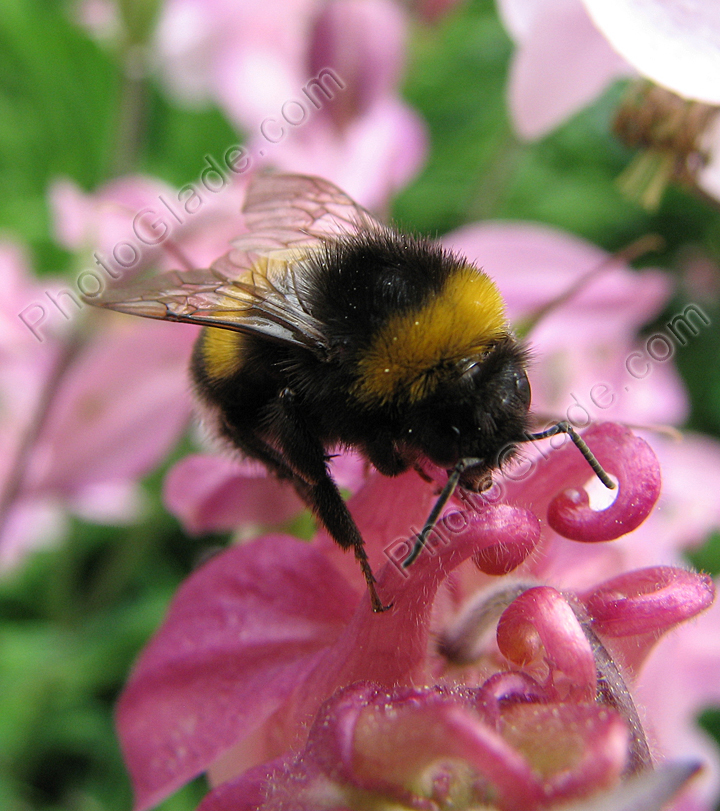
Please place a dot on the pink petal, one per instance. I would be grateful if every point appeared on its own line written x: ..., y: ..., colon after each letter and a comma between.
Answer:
x: 623, y: 455
x: 239, y: 639
x: 686, y: 513
x: 398, y: 638
x: 30, y: 524
x: 211, y: 493
x: 121, y: 406
x: 539, y: 624
x: 507, y: 554
x: 112, y: 218
x: 363, y: 41
x: 25, y: 304
x: 395, y: 744
x: 676, y: 43
x: 110, y: 502
x: 374, y: 155
x: 248, y: 57
x: 560, y: 67
x: 648, y: 600
x: 578, y: 749
x: 693, y: 684
x: 387, y: 512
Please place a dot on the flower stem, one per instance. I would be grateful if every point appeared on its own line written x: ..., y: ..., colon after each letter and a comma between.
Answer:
x: 14, y: 484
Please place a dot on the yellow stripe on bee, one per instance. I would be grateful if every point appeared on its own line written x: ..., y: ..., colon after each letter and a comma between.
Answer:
x: 221, y: 351
x: 410, y: 354
x: 222, y: 348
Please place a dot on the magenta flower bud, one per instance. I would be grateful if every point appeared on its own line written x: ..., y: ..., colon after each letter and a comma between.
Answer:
x: 540, y: 626
x: 632, y: 461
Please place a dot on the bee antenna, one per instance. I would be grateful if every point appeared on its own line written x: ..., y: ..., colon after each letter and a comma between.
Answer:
x: 442, y: 500
x: 565, y: 428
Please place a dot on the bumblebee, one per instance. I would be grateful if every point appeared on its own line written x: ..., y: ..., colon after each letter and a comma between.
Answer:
x: 325, y: 328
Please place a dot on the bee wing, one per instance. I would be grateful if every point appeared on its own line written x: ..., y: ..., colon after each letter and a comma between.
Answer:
x: 267, y: 301
x: 284, y: 211
x: 259, y: 286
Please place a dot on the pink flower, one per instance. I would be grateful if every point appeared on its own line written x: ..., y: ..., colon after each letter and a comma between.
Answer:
x: 104, y: 218
x: 81, y: 422
x: 570, y: 50
x: 135, y: 222
x: 561, y: 63
x: 26, y: 365
x: 314, y: 84
x: 366, y: 140
x: 98, y: 433
x: 261, y: 635
x: 246, y: 56
x: 435, y: 748
x: 102, y: 433
x: 212, y: 492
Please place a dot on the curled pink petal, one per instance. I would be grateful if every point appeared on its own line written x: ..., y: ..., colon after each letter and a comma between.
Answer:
x: 632, y: 461
x: 505, y: 688
x: 648, y: 600
x: 491, y: 528
x: 509, y: 552
x: 540, y: 622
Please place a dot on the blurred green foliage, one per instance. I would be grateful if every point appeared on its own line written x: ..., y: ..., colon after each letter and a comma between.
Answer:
x: 72, y: 619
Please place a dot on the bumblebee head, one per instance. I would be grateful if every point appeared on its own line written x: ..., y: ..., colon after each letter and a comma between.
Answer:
x: 481, y: 412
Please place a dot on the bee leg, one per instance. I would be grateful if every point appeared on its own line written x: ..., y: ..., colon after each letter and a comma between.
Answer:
x: 327, y: 504
x: 305, y: 455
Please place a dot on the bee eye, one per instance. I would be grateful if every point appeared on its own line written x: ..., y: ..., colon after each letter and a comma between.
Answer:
x: 522, y: 388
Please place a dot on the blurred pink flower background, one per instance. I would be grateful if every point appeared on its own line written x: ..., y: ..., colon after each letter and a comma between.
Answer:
x: 270, y: 666
x: 569, y: 51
